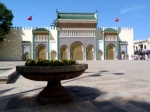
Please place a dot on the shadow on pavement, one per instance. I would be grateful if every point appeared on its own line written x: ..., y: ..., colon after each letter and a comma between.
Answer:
x: 24, y: 100
x: 119, y: 73
x: 102, y: 71
x: 79, y: 95
x: 14, y: 79
x: 123, y: 105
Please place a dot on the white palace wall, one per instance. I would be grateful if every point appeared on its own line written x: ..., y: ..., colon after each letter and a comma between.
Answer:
x: 53, y: 38
x: 11, y: 47
x: 126, y: 34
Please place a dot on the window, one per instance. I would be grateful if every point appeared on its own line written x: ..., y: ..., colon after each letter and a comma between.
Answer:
x: 136, y: 48
x: 144, y: 46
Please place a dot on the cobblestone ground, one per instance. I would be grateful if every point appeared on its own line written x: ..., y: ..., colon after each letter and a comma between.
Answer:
x: 106, y: 86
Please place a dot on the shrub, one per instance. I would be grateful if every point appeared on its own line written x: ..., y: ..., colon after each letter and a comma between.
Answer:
x: 31, y: 62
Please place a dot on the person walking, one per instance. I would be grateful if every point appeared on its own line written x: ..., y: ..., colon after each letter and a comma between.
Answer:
x: 146, y: 57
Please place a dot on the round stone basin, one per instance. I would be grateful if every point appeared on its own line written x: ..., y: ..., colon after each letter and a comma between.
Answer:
x: 54, y: 92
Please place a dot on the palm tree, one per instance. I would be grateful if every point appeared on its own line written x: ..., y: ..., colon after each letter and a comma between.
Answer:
x: 54, y: 23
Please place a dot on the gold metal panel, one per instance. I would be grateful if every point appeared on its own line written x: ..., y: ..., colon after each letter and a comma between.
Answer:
x: 89, y: 53
x: 41, y: 52
x: 63, y: 53
x: 77, y: 52
x: 109, y: 53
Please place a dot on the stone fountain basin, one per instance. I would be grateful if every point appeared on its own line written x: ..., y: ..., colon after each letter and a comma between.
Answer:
x: 51, y: 73
x: 54, y: 92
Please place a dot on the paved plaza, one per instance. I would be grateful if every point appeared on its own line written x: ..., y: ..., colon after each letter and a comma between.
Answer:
x: 106, y: 86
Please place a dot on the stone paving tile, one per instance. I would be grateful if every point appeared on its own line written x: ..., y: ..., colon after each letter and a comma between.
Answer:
x: 143, y: 105
x: 127, y: 105
x: 18, y: 102
x: 86, y: 106
x: 3, y: 103
x: 67, y: 107
x: 106, y: 106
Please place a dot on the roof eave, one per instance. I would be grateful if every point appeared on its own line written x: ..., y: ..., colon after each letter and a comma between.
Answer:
x: 76, y: 21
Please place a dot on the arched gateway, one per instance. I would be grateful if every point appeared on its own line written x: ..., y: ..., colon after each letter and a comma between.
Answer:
x: 110, y: 52
x: 63, y: 50
x: 77, y: 49
x: 89, y: 51
x: 41, y: 51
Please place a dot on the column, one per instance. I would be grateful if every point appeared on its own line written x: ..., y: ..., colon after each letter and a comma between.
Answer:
x: 104, y: 49
x: 68, y: 55
x: 32, y: 56
x: 58, y: 50
x: 96, y: 43
x: 118, y: 50
x: 84, y: 55
x: 115, y: 55
x: 94, y: 55
x: 71, y: 55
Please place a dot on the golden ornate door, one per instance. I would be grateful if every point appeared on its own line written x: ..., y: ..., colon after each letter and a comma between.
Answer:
x: 26, y: 56
x: 89, y: 53
x: 109, y: 52
x: 77, y: 52
x: 100, y: 55
x: 41, y: 52
x: 63, y: 53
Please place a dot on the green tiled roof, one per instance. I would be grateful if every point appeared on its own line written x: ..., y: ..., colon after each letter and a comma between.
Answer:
x: 85, y: 16
x: 110, y: 30
x: 40, y: 29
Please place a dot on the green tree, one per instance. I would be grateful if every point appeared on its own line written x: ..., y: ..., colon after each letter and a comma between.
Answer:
x: 6, y: 17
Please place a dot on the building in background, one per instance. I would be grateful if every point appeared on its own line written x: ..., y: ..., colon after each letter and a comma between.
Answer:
x: 142, y: 47
x: 76, y: 37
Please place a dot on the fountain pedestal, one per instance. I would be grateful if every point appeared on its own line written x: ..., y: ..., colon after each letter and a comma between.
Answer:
x: 54, y: 92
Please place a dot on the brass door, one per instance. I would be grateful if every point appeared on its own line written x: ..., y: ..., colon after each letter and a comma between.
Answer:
x: 41, y: 52
x: 26, y: 56
x: 77, y: 52
x: 89, y: 53
x: 110, y: 53
x: 64, y: 53
x: 100, y: 55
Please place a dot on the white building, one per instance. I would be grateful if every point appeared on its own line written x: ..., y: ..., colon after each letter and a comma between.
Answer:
x: 142, y: 47
x: 76, y: 37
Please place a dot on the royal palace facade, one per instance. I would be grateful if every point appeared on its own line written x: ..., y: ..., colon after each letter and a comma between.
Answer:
x: 76, y: 36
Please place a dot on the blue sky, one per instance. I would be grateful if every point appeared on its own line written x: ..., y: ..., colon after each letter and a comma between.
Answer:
x: 131, y: 13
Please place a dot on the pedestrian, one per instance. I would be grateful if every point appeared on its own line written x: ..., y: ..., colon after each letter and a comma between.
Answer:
x: 146, y: 57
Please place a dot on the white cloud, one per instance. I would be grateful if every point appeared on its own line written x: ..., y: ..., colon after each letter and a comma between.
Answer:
x: 132, y: 9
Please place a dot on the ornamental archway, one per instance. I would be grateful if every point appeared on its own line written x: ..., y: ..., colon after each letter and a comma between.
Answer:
x: 110, y: 52
x: 89, y: 51
x: 77, y: 51
x: 41, y: 51
x: 63, y: 50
